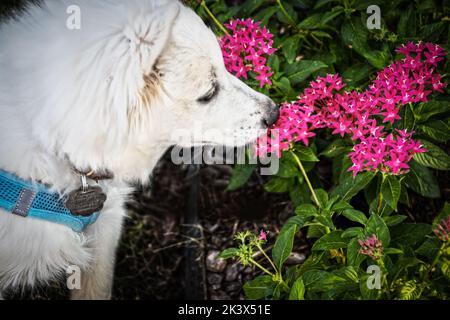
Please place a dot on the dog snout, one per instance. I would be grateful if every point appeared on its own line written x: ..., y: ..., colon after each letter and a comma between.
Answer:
x: 271, y: 114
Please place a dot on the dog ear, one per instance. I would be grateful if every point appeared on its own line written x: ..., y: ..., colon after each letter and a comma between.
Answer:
x: 147, y: 35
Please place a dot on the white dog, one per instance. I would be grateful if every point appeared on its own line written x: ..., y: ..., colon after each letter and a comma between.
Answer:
x: 103, y: 95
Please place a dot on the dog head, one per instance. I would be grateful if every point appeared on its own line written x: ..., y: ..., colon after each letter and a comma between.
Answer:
x: 196, y: 99
x: 137, y: 76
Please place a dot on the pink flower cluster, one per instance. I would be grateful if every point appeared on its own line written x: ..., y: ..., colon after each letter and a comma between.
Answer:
x: 442, y: 231
x: 359, y: 114
x: 246, y: 49
x: 371, y: 247
x: 262, y: 235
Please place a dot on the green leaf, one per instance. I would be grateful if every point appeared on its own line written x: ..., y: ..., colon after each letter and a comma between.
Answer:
x: 357, y: 73
x: 229, y: 253
x: 321, y: 34
x: 354, y: 34
x: 284, y: 85
x: 297, y: 290
x: 335, y: 148
x: 330, y: 15
x: 287, y: 167
x: 444, y: 266
x: 315, y: 231
x: 391, y: 189
x: 306, y: 210
x: 278, y: 185
x: 276, y: 292
x: 353, y: 232
x: 436, y: 129
x: 322, y: 196
x: 435, y: 157
x: 251, y: 6
x: 407, y: 118
x: 410, y: 291
x: 348, y: 272
x: 258, y: 288
x: 377, y: 226
x: 283, y: 246
x: 350, y: 186
x: 311, y: 22
x: 325, y: 220
x: 291, y: 12
x: 445, y: 212
x: 366, y: 293
x: 274, y: 63
x: 303, y: 69
x: 241, y: 174
x: 421, y: 180
x: 429, y: 248
x: 382, y: 211
x: 295, y: 220
x: 290, y: 48
x: 404, y: 196
x: 432, y: 31
x: 410, y: 234
x: 322, y: 281
x: 305, y: 154
x: 354, y: 258
x: 392, y: 251
x: 341, y: 205
x: 265, y: 14
x: 299, y: 194
x: 313, y: 276
x: 394, y: 220
x: 427, y: 110
x: 404, y: 24
x: 403, y: 264
x: 332, y: 240
x: 321, y: 3
x: 355, y: 215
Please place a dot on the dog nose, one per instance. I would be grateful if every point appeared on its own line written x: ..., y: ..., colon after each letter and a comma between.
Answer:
x: 271, y: 115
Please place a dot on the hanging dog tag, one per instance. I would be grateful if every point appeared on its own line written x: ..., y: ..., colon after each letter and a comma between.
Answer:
x: 84, y: 203
x: 86, y: 200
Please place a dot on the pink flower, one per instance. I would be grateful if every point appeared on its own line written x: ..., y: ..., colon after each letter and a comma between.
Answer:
x: 359, y: 114
x: 442, y: 231
x: 246, y: 49
x: 262, y: 235
x: 371, y: 247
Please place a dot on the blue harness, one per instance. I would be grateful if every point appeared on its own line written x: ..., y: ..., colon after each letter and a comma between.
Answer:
x: 28, y: 199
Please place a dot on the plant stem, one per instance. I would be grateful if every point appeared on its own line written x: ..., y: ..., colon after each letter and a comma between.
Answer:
x: 286, y: 14
x: 211, y: 15
x: 267, y: 257
x: 380, y: 197
x: 433, y: 264
x: 261, y: 267
x: 384, y: 281
x: 302, y: 169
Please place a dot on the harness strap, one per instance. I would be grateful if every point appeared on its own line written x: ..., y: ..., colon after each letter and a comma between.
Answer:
x: 33, y: 200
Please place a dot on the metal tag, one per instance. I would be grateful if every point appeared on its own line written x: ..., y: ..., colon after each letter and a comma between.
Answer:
x: 85, y: 201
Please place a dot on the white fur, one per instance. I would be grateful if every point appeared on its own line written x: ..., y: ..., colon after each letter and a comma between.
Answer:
x: 107, y: 96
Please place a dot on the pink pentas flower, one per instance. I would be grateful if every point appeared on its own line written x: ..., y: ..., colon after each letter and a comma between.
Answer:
x: 442, y: 230
x: 262, y: 235
x: 323, y: 105
x: 371, y: 247
x: 246, y: 49
x: 387, y: 153
x: 293, y: 125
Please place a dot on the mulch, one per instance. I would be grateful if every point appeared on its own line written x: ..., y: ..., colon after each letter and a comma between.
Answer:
x: 151, y: 261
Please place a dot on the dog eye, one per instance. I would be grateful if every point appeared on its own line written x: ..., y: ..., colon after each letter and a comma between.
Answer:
x: 209, y: 95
